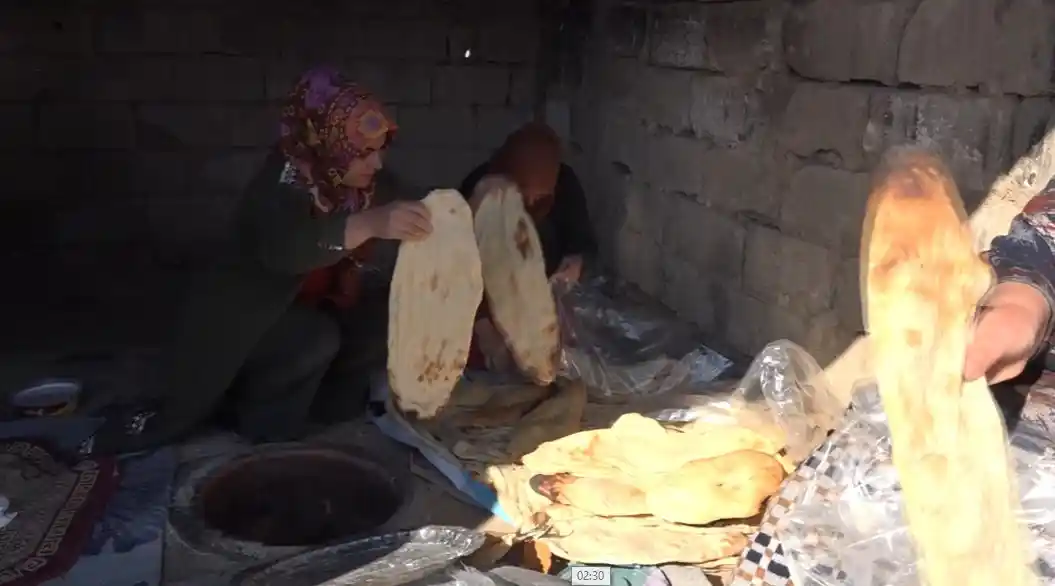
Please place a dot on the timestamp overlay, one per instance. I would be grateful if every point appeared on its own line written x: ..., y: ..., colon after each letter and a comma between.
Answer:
x: 591, y: 576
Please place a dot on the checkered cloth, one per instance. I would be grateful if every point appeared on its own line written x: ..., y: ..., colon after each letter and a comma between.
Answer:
x: 820, y: 481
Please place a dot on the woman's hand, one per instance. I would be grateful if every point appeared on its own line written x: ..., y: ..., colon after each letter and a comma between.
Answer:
x: 399, y: 220
x: 492, y: 346
x: 1006, y: 332
x: 569, y: 270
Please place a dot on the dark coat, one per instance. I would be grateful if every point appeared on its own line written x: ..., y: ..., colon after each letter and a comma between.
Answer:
x: 275, y: 242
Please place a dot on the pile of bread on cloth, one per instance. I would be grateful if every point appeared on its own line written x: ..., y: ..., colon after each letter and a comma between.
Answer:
x: 593, y: 483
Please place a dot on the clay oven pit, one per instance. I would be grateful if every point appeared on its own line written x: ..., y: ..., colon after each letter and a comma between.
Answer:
x: 300, y: 497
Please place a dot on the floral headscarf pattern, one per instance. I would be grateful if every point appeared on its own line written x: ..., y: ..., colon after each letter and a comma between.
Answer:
x: 326, y: 122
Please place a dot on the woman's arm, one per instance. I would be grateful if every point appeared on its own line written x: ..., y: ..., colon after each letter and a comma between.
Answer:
x: 282, y: 232
x: 1026, y: 255
x: 571, y: 216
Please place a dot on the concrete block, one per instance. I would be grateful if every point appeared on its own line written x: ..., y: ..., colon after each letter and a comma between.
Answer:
x: 229, y: 171
x: 627, y: 32
x: 42, y: 29
x: 695, y: 296
x: 848, y: 295
x: 711, y: 241
x: 495, y: 123
x: 17, y: 125
x: 480, y: 85
x: 436, y: 126
x: 826, y: 123
x: 508, y: 42
x: 834, y: 40
x: 973, y: 134
x: 623, y: 142
x: 198, y: 78
x: 1033, y: 117
x: 101, y: 222
x: 715, y: 37
x: 523, y: 84
x: 281, y: 75
x: 1009, y: 46
x: 665, y: 98
x: 216, y: 125
x: 679, y: 38
x: 400, y: 82
x: 120, y: 174
x: 639, y: 260
x: 645, y: 209
x: 724, y: 111
x: 673, y: 164
x: 160, y: 30
x: 30, y: 176
x: 747, y: 328
x: 433, y: 168
x: 463, y: 44
x: 826, y: 206
x: 740, y: 180
x: 787, y: 271
x: 1024, y: 52
x: 87, y: 125
x: 26, y: 77
x: 423, y: 40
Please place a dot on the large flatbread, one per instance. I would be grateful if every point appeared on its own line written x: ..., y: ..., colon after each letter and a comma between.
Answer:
x: 514, y: 270
x: 949, y: 443
x: 436, y: 290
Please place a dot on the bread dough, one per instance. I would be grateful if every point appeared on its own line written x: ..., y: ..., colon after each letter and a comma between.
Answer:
x: 922, y: 280
x: 514, y: 271
x: 436, y: 290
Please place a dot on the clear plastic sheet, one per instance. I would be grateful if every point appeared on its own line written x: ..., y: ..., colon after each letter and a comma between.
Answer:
x: 622, y: 347
x: 844, y: 525
x: 395, y: 559
x: 785, y: 387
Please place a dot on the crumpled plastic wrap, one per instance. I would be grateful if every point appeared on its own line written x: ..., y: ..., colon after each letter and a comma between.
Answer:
x: 394, y: 559
x: 621, y: 347
x: 783, y: 386
x: 845, y: 525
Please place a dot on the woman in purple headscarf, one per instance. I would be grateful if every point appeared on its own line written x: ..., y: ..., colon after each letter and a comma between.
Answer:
x: 287, y: 327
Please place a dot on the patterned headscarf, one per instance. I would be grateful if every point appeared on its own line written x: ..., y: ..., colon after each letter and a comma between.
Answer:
x: 531, y: 158
x: 325, y: 125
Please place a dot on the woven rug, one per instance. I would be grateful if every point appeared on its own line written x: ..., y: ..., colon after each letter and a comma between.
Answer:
x: 57, y: 505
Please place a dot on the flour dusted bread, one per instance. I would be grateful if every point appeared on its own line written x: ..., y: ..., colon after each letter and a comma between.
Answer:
x: 576, y: 535
x: 923, y: 280
x: 514, y: 274
x: 436, y: 289
x: 598, y: 496
x: 730, y: 486
x: 640, y: 446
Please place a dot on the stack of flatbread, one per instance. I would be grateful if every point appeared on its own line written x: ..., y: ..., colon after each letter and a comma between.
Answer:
x: 642, y: 493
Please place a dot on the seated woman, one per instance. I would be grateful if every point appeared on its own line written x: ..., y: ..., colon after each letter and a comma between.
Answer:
x: 285, y: 328
x: 531, y: 158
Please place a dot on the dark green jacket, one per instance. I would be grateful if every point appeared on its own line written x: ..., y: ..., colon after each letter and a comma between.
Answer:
x: 276, y: 240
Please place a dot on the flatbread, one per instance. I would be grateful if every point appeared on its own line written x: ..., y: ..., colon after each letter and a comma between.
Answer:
x: 437, y: 287
x: 514, y: 270
x: 923, y: 281
x: 730, y: 486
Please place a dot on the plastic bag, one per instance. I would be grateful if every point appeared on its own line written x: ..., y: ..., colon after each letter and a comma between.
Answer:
x: 621, y: 347
x: 783, y: 386
x: 843, y: 524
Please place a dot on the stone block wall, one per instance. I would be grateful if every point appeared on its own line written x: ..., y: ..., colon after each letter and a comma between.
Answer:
x: 129, y: 127
x: 734, y: 140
